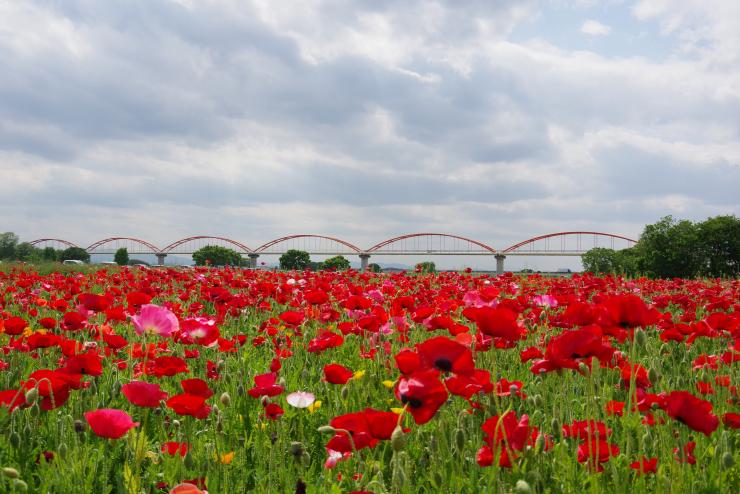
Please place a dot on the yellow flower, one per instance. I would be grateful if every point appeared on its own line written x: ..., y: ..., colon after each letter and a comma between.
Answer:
x: 314, y: 406
x: 27, y: 332
x: 388, y: 384
x: 227, y: 457
x: 399, y: 411
x: 358, y: 374
x: 263, y: 425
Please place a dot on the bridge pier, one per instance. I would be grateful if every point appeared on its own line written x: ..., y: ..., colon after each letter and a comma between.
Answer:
x: 500, y: 263
x: 253, y: 260
x: 363, y: 262
x: 160, y: 259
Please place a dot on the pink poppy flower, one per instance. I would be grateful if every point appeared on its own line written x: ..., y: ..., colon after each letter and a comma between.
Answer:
x: 155, y: 319
x: 109, y: 422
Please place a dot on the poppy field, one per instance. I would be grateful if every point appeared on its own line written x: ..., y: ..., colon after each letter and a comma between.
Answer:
x: 218, y: 380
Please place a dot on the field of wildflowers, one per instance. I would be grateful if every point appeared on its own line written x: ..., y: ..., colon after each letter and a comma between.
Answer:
x: 186, y: 381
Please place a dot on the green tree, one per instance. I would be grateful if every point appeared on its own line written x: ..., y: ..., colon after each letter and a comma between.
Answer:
x: 719, y: 244
x: 217, y: 256
x: 426, y: 267
x: 26, y: 252
x: 77, y: 253
x: 121, y: 258
x: 49, y: 254
x: 295, y: 259
x: 374, y: 267
x: 670, y: 248
x: 8, y: 242
x: 627, y: 261
x: 599, y: 260
x: 336, y: 263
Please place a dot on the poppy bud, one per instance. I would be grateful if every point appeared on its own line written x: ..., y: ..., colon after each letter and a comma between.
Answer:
x: 522, y: 487
x: 583, y: 368
x: 264, y: 401
x: 62, y: 450
x: 727, y: 460
x: 20, y: 485
x: 296, y: 449
x: 399, y: 477
x: 240, y: 390
x: 539, y: 444
x: 176, y: 424
x: 31, y: 396
x: 11, y: 473
x: 433, y: 444
x: 555, y: 425
x: 15, y: 439
x: 27, y: 431
x: 116, y: 388
x: 281, y: 381
x: 653, y: 375
x: 305, y: 374
x: 538, y: 402
x: 640, y: 337
x: 79, y: 426
x: 398, y: 439
x: 345, y: 392
x: 225, y: 399
x: 326, y: 429
x: 460, y: 439
x: 188, y: 461
x: 530, y: 401
x: 305, y: 459
x: 220, y: 365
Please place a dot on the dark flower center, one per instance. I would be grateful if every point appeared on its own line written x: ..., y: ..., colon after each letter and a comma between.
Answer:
x: 412, y: 402
x: 443, y: 364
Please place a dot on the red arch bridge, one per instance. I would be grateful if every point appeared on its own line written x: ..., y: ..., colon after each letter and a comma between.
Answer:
x: 574, y: 243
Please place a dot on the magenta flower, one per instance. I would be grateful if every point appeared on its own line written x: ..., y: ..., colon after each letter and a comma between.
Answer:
x: 109, y: 422
x: 155, y: 319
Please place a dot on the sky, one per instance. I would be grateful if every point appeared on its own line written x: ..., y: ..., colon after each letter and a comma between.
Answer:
x: 365, y: 119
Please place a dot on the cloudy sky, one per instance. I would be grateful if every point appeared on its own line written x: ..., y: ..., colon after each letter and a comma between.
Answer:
x: 364, y: 119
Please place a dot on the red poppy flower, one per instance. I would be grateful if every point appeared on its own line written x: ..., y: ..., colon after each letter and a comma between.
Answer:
x: 692, y: 411
x: 166, y: 365
x: 14, y: 326
x: 325, y: 340
x: 109, y: 422
x: 496, y: 322
x: 143, y: 394
x: 48, y: 322
x: 292, y: 318
x: 423, y: 393
x: 73, y: 321
x: 504, y: 435
x: 566, y: 350
x: 273, y: 411
x: 596, y: 451
x: 645, y: 465
x: 446, y: 355
x: 685, y: 454
x: 187, y: 404
x: 264, y: 385
x: 84, y: 363
x: 337, y: 374
x: 731, y: 420
x: 173, y: 448
x: 196, y: 386
x: 93, y: 302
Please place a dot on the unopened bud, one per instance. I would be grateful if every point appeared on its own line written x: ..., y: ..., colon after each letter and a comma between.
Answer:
x: 653, y: 375
x: 522, y: 487
x: 555, y: 426
x: 188, y: 461
x: 326, y: 429
x: 583, y: 368
x: 20, y: 485
x: 398, y: 439
x: 305, y: 459
x: 345, y: 392
x: 176, y: 424
x: 225, y: 399
x: 727, y: 460
x: 11, y: 473
x: 296, y: 449
x: 538, y: 402
x: 460, y: 439
x: 539, y: 444
x: 15, y: 439
x: 79, y: 426
x: 31, y: 396
x: 640, y: 337
x: 433, y: 444
x: 62, y: 450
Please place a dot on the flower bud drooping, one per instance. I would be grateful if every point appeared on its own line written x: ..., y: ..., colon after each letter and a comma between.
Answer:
x: 11, y: 473
x: 225, y: 399
x: 398, y: 439
x: 31, y: 396
x: 522, y: 487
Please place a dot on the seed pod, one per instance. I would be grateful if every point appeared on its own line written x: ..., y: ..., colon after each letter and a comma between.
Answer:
x: 31, y: 396
x: 398, y: 439
x: 522, y: 487
x: 225, y: 399
x: 11, y: 473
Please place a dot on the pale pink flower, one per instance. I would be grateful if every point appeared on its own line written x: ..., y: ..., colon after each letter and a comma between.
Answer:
x: 155, y: 319
x: 300, y: 399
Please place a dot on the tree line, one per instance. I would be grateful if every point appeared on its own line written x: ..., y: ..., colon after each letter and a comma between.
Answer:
x: 672, y: 248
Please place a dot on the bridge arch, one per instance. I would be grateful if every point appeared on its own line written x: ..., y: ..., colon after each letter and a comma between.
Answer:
x: 303, y: 237
x: 441, y: 238
x: 174, y: 245
x: 149, y: 248
x: 580, y: 244
x: 52, y: 241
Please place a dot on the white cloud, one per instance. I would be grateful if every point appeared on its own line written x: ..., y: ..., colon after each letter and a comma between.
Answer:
x: 595, y: 28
